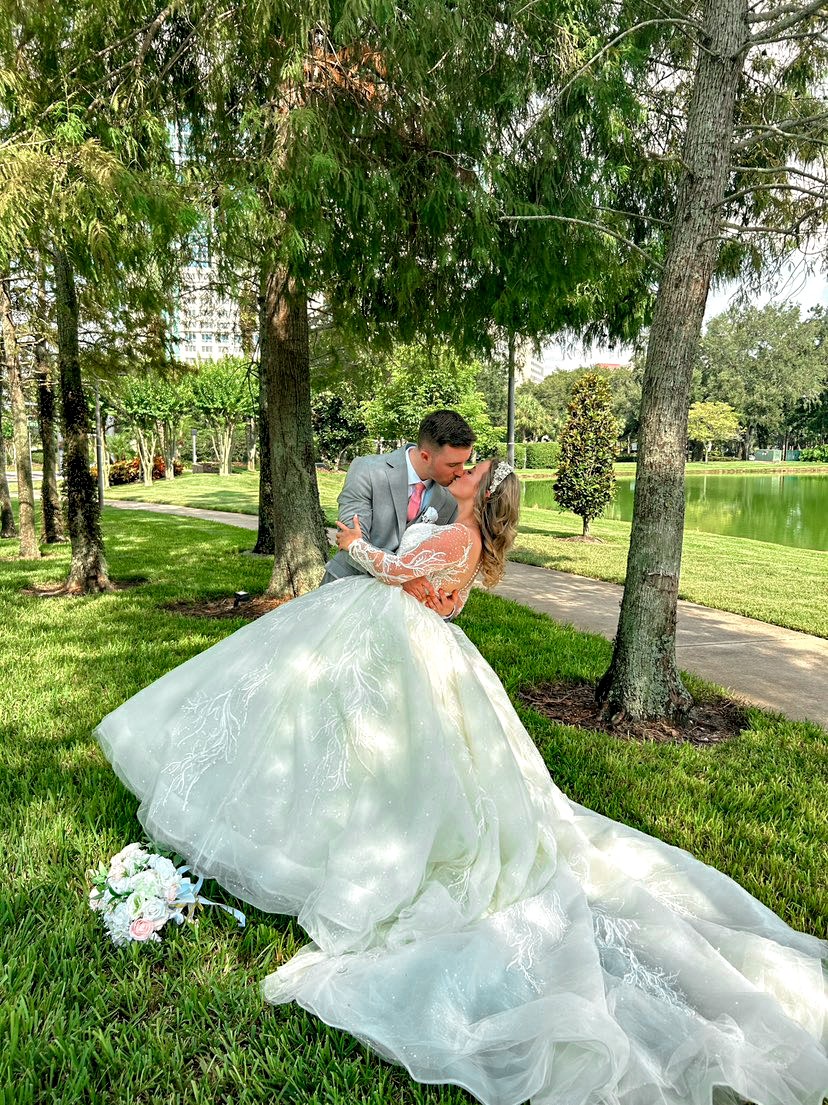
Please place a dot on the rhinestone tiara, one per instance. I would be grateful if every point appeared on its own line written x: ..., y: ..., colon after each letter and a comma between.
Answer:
x: 501, y: 472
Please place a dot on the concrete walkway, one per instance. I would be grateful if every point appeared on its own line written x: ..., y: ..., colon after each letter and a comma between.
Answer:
x: 775, y: 668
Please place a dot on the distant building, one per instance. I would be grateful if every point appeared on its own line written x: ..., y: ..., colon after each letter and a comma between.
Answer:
x: 528, y: 367
x: 206, y: 325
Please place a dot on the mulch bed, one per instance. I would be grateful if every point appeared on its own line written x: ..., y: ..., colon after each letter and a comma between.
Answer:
x: 574, y: 704
x: 225, y: 608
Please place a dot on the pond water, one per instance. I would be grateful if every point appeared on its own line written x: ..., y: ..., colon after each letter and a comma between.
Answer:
x: 783, y: 509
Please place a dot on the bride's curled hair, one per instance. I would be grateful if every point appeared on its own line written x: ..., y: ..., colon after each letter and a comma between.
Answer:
x: 496, y: 513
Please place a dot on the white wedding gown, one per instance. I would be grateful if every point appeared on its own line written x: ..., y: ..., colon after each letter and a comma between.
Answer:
x: 352, y: 759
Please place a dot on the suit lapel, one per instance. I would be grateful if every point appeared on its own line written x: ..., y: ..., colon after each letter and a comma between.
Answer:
x: 441, y: 500
x: 398, y: 482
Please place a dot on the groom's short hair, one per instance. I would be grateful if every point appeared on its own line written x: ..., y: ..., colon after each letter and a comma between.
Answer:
x: 445, y: 428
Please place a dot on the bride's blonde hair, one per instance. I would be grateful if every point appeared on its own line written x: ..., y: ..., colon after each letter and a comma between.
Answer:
x: 496, y: 512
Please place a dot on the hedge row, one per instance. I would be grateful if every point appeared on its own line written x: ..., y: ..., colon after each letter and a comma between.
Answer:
x: 818, y: 453
x: 533, y: 454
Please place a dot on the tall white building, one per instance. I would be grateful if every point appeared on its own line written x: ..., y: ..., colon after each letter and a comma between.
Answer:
x: 206, y: 325
x: 528, y: 367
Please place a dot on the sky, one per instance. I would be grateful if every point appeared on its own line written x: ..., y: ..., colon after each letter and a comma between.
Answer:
x: 795, y: 287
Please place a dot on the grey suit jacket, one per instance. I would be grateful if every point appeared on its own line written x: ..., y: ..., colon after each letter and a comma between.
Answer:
x: 376, y: 488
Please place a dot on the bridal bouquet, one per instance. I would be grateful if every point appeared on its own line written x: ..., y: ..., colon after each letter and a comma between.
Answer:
x: 141, y: 891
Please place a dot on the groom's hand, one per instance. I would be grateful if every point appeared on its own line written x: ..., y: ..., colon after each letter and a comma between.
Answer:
x: 346, y: 535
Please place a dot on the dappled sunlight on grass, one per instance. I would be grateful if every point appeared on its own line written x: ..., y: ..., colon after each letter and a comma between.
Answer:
x: 184, y: 1020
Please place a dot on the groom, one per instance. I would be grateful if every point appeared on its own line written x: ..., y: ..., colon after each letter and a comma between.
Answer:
x: 390, y: 491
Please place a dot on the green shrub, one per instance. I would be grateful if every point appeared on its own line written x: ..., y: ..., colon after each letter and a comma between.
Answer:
x: 818, y: 453
x: 543, y: 454
x: 501, y: 449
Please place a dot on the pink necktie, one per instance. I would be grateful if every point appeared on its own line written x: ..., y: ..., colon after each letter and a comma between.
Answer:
x: 415, y: 502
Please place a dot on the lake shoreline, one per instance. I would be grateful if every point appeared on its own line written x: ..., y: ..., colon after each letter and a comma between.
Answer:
x: 736, y: 468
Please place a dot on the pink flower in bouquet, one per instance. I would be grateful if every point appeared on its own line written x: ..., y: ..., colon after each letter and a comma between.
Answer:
x: 142, y: 930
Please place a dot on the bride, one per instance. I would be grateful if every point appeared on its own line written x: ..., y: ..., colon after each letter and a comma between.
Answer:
x: 352, y: 759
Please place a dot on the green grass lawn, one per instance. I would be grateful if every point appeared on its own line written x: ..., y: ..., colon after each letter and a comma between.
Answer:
x: 774, y: 583
x: 183, y: 1021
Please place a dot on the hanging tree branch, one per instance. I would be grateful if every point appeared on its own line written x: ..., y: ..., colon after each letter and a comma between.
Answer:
x: 784, y: 129
x: 592, y: 225
x: 795, y: 15
x: 823, y: 195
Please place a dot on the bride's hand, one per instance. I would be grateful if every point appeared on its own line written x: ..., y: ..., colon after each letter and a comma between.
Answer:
x: 346, y: 536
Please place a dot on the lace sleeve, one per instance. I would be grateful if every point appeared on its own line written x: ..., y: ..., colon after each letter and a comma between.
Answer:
x: 445, y: 552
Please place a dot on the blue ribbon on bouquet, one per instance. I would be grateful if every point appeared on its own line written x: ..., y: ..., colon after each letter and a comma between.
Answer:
x: 237, y: 913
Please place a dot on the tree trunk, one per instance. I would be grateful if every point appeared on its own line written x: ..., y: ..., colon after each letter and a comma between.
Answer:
x: 29, y: 548
x: 7, y: 527
x: 224, y: 435
x: 510, y: 403
x: 265, y: 544
x: 88, y: 572
x: 170, y: 450
x: 53, y: 530
x: 300, y: 551
x: 643, y: 679
x: 586, y: 527
x: 146, y: 455
x: 251, y: 444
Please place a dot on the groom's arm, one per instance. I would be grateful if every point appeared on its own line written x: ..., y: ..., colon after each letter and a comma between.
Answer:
x: 357, y: 496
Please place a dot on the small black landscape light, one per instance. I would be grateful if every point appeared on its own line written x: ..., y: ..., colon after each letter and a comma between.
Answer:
x: 239, y: 597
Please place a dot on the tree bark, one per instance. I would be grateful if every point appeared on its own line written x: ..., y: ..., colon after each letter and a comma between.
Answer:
x: 88, y: 571
x: 510, y: 403
x: 146, y: 454
x: 8, y: 529
x: 643, y: 679
x: 300, y: 547
x: 53, y: 528
x: 250, y: 433
x: 29, y: 548
x: 169, y: 449
x: 224, y: 439
x: 265, y: 544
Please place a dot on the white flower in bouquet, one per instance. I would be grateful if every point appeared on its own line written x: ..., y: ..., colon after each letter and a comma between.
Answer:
x: 147, y: 884
x: 154, y: 909
x: 117, y: 922
x: 164, y: 869
x: 128, y: 861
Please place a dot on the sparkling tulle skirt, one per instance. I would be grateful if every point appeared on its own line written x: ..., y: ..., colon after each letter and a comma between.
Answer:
x: 351, y: 759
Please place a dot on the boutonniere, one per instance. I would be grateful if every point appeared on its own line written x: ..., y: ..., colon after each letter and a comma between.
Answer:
x: 429, y: 514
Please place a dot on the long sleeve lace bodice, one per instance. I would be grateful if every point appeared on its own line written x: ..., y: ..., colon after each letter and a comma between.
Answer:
x: 440, y: 553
